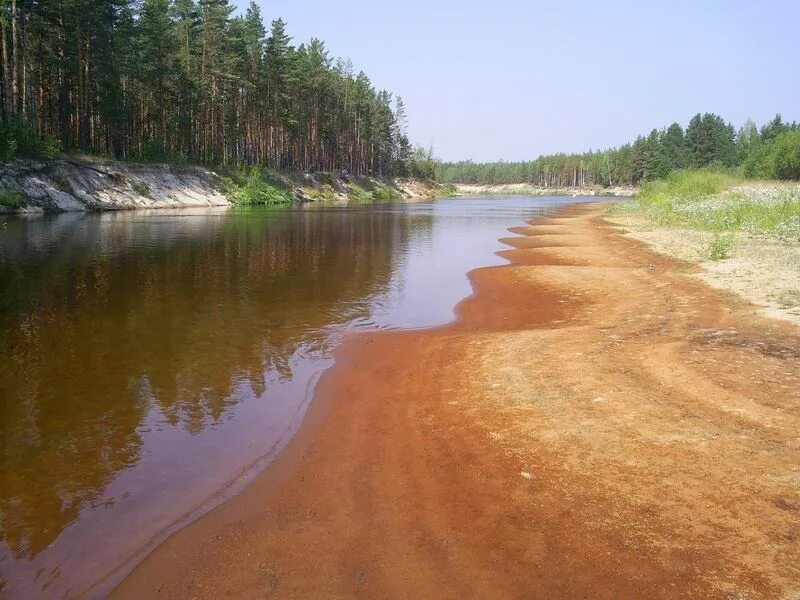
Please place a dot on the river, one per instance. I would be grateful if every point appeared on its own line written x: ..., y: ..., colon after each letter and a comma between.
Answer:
x: 152, y: 363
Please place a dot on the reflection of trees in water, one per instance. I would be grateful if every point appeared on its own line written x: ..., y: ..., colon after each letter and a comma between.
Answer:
x: 96, y: 327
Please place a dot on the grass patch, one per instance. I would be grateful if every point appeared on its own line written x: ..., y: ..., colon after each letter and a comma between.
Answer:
x: 385, y: 194
x: 378, y: 193
x: 447, y: 190
x: 251, y: 187
x: 323, y: 193
x: 140, y: 187
x: 718, y: 202
x: 689, y: 185
x: 11, y: 199
x: 720, y: 247
x: 63, y: 184
x: 356, y: 193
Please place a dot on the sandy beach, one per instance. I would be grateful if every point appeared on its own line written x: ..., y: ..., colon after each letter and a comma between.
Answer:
x: 595, y: 423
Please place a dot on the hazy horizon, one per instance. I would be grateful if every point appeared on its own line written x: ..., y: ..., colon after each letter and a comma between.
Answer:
x: 512, y: 80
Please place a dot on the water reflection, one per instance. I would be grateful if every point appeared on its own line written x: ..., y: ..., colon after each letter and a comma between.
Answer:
x: 106, y: 320
x: 147, y: 360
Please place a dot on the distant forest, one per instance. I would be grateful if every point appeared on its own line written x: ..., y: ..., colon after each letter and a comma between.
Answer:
x: 771, y: 152
x: 186, y: 81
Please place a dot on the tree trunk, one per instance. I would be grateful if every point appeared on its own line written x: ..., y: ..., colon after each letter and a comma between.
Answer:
x: 6, y: 74
x: 14, y: 60
x: 24, y: 86
x: 63, y: 99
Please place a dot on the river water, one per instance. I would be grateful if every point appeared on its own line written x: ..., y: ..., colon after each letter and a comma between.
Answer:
x: 151, y: 363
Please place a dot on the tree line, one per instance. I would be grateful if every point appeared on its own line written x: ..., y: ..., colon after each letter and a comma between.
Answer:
x: 708, y: 141
x: 186, y: 81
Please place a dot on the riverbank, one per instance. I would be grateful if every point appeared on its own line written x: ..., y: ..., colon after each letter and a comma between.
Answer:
x: 527, y: 189
x: 596, y: 423
x: 28, y: 186
x: 743, y: 236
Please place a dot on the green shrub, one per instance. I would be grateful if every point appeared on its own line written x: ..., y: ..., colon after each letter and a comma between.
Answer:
x: 50, y: 147
x: 358, y: 194
x: 757, y: 164
x: 140, y: 187
x: 422, y: 165
x: 324, y: 193
x: 11, y: 199
x: 20, y: 139
x: 380, y: 193
x: 720, y: 247
x: 250, y: 187
x: 785, y: 155
x: 385, y: 194
x: 448, y: 190
x: 777, y: 160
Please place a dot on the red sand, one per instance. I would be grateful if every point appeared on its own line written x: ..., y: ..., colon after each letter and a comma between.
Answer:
x: 591, y: 426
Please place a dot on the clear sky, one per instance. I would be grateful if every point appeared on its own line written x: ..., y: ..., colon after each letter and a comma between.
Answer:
x: 512, y: 79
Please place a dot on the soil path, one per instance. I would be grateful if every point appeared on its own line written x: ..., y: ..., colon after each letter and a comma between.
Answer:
x: 596, y: 424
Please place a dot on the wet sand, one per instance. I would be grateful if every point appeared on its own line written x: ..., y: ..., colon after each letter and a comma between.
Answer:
x: 595, y: 424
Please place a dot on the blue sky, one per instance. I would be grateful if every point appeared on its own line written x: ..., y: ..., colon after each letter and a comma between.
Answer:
x: 511, y: 79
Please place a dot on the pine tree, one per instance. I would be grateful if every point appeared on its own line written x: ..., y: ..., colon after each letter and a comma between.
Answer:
x: 709, y: 140
x: 280, y: 74
x: 157, y: 45
x: 183, y: 79
x: 186, y: 23
x: 773, y: 129
x: 673, y: 150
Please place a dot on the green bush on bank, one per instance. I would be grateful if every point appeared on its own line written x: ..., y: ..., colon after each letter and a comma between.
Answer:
x: 356, y: 193
x: 323, y: 193
x: 777, y: 160
x: 448, y: 190
x: 785, y: 155
x: 11, y: 199
x: 385, y: 194
x: 378, y: 193
x: 250, y: 187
